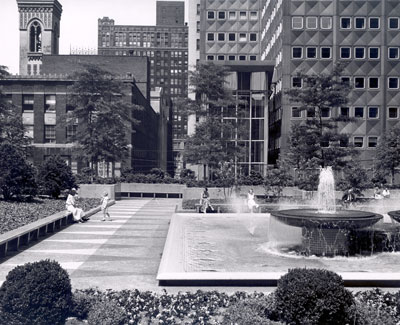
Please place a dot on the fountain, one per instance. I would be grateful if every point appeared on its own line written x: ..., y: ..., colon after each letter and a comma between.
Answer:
x: 326, y: 231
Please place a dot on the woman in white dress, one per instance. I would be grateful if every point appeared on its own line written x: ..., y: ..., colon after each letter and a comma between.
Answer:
x: 70, y: 205
x: 251, y: 203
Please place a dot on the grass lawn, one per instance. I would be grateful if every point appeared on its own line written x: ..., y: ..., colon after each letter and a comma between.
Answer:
x: 17, y: 214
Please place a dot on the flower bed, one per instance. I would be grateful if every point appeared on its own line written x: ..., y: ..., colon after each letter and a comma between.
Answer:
x: 17, y: 214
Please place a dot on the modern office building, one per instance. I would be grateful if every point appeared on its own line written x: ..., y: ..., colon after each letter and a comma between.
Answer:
x: 166, y: 45
x: 313, y: 36
x: 40, y: 93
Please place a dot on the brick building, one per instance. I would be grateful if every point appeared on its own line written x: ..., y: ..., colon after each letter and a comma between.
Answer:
x: 170, y: 13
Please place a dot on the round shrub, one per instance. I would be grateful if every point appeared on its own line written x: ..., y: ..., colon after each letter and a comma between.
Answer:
x: 36, y: 293
x: 313, y: 296
x: 107, y: 312
x: 248, y: 312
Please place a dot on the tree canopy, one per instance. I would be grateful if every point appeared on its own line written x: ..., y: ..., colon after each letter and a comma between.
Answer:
x: 104, y: 115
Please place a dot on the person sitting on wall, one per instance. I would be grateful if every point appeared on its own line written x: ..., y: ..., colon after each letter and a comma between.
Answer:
x: 386, y: 193
x: 251, y: 203
x: 205, y: 201
x: 70, y: 205
x: 348, y: 197
x: 378, y: 193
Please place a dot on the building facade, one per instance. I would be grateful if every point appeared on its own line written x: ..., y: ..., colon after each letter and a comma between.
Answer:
x: 166, y: 46
x: 314, y: 36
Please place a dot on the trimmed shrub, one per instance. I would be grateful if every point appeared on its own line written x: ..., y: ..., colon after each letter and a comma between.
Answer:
x: 36, y: 293
x: 366, y: 314
x: 313, y: 296
x: 81, y: 304
x: 248, y: 312
x: 106, y: 313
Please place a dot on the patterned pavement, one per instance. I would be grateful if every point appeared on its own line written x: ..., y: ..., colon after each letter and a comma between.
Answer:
x: 120, y: 254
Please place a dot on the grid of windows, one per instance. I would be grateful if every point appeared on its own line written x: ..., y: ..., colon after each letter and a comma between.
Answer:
x: 49, y: 133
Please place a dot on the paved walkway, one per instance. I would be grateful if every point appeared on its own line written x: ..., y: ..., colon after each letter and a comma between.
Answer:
x: 121, y: 254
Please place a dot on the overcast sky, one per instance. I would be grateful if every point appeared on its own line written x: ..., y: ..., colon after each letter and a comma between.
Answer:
x: 78, y: 23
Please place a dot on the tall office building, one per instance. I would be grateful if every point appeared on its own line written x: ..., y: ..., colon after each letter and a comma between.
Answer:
x: 228, y: 33
x: 167, y: 48
x: 313, y: 36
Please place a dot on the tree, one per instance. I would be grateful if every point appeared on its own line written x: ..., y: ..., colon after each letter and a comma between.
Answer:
x: 54, y: 176
x: 17, y: 176
x: 214, y: 139
x: 388, y: 153
x: 316, y: 142
x: 11, y: 126
x: 277, y: 179
x: 104, y: 117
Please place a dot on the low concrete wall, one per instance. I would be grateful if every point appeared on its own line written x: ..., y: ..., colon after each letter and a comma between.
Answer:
x: 152, y: 188
x: 91, y: 191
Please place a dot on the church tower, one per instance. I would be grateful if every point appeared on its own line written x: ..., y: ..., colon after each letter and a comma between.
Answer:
x: 39, y: 25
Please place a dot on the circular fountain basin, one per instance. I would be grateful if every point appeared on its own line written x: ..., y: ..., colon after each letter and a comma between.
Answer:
x: 395, y: 215
x: 342, y: 219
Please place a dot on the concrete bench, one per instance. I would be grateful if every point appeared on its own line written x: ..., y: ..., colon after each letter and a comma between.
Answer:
x: 22, y: 236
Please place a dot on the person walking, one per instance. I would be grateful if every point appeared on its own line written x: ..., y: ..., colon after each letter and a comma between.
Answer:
x: 104, y: 207
x: 70, y: 205
x: 205, y: 201
x: 251, y: 203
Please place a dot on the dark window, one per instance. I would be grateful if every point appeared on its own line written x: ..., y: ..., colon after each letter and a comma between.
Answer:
x: 359, y: 82
x: 325, y: 52
x: 359, y: 112
x: 232, y: 37
x: 210, y: 36
x: 221, y: 14
x: 393, y: 112
x: 394, y: 23
x: 311, y: 52
x: 297, y: 52
x: 27, y: 103
x: 242, y: 57
x: 344, y: 142
x: 359, y: 53
x: 360, y: 22
x: 49, y: 133
x: 372, y: 142
x: 210, y: 15
x: 35, y: 37
x: 373, y: 82
x: 345, y: 111
x: 373, y: 112
x: 393, y: 52
x: 296, y: 82
x: 253, y: 37
x: 296, y: 113
x: 221, y: 37
x: 71, y: 132
x: 221, y: 57
x: 374, y: 52
x: 210, y: 57
x: 232, y: 58
x: 325, y: 112
x: 311, y: 112
x: 345, y: 22
x: 345, y: 52
x: 358, y: 142
x: 374, y: 23
x: 253, y: 57
x: 346, y: 81
x: 393, y: 83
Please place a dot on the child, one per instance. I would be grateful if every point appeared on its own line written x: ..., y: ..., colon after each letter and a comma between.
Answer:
x: 104, y: 207
x: 251, y: 203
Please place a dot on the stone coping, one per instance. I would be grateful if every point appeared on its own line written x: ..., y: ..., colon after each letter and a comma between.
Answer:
x: 14, y: 239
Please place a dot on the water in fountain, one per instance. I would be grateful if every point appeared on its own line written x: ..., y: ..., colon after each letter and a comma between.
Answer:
x: 326, y: 191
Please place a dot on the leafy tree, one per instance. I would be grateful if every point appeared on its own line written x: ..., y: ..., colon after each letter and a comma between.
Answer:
x: 54, y: 176
x: 17, y: 176
x: 104, y: 117
x: 388, y: 153
x: 214, y: 139
x: 277, y: 179
x: 316, y: 142
x: 11, y: 126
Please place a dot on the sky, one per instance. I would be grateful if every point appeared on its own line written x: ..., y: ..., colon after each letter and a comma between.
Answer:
x: 78, y: 23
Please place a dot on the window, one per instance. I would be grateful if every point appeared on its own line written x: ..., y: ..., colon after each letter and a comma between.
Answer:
x: 393, y: 83
x: 325, y: 112
x: 393, y: 53
x: 210, y: 15
x: 27, y: 103
x: 253, y: 37
x: 242, y: 57
x: 373, y: 82
x: 35, y: 37
x: 359, y: 22
x: 393, y: 112
x: 393, y: 23
x: 359, y: 53
x: 297, y: 22
x: 29, y: 131
x: 221, y: 37
x: 312, y: 22
x: 50, y: 103
x: 232, y: 37
x: 374, y: 52
x: 210, y: 36
x: 373, y: 112
x: 232, y: 15
x: 297, y: 52
x: 374, y: 22
x: 253, y: 57
x: 253, y: 15
x: 49, y: 133
x: 310, y: 112
x: 242, y: 37
x: 344, y: 142
x: 210, y: 57
x: 372, y: 142
x: 345, y: 53
x: 231, y: 58
x: 221, y: 57
x: 296, y: 112
x: 345, y: 111
x: 358, y: 142
x: 296, y: 82
x: 359, y: 112
x: 242, y: 15
x: 326, y: 22
x: 71, y: 132
x: 221, y: 15
x: 311, y: 52
x: 325, y: 52
x: 359, y: 82
x: 345, y: 22
x: 346, y: 81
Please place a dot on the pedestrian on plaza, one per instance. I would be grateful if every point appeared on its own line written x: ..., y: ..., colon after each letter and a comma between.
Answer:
x: 205, y: 201
x: 70, y: 205
x: 378, y: 193
x: 104, y: 207
x: 251, y: 203
x: 348, y: 197
x: 386, y: 193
